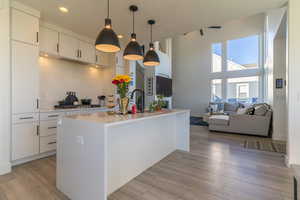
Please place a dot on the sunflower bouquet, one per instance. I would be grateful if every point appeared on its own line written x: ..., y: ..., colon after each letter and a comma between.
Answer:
x: 122, y: 82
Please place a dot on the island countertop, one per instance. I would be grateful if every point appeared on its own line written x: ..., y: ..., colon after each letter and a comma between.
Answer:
x: 112, y: 119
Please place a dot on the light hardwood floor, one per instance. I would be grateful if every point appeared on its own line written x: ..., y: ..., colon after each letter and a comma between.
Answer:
x: 217, y: 168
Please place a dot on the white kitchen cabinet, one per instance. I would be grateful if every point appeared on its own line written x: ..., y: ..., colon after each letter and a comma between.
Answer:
x: 49, y: 41
x: 24, y: 78
x: 68, y: 47
x: 47, y: 143
x: 87, y: 52
x: 102, y: 59
x: 48, y: 128
x: 25, y: 140
x: 25, y: 27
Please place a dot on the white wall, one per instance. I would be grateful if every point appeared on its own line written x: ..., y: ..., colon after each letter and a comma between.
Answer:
x: 272, y: 24
x: 59, y: 76
x: 279, y: 101
x: 293, y: 82
x: 5, y: 94
x: 192, y: 61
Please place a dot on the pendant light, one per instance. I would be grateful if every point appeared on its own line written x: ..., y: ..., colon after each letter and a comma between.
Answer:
x: 133, y: 50
x: 107, y: 40
x: 151, y: 58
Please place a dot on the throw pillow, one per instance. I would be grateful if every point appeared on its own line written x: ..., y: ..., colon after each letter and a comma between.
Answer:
x: 231, y: 107
x: 260, y: 110
x: 242, y: 111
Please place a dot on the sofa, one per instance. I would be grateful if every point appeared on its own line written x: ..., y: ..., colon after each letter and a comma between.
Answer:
x: 255, y: 120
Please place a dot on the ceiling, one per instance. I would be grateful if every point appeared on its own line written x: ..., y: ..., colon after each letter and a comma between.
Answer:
x: 173, y: 17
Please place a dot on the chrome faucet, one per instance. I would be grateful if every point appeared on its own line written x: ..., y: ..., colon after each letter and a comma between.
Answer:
x: 143, y: 98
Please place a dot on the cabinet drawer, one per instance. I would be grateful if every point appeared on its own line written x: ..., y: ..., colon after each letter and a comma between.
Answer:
x: 23, y: 118
x: 48, y: 128
x: 47, y: 143
x: 50, y: 116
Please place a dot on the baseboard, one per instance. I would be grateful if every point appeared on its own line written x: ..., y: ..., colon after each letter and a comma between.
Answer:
x: 36, y: 157
x: 5, y: 168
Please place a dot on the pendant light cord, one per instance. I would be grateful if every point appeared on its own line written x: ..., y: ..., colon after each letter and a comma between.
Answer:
x: 151, y: 33
x: 107, y: 8
x: 133, y: 20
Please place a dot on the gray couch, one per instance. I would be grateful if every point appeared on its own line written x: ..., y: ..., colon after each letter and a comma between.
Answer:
x: 251, y: 124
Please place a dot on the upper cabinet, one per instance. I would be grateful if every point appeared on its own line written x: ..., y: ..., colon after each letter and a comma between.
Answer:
x: 86, y: 52
x: 49, y: 41
x: 102, y: 59
x: 25, y: 27
x: 69, y: 47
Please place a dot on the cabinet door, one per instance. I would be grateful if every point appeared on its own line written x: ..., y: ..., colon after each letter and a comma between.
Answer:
x: 102, y: 59
x: 49, y: 41
x: 25, y: 140
x: 87, y: 52
x: 24, y: 78
x: 25, y: 27
x: 68, y: 47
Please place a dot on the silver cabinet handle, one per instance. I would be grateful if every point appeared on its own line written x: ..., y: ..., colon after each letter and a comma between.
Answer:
x: 53, y: 127
x: 53, y: 115
x: 23, y: 118
x: 37, y: 130
x: 52, y: 143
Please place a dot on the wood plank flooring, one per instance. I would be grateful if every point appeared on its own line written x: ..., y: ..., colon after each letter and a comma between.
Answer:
x: 217, y: 168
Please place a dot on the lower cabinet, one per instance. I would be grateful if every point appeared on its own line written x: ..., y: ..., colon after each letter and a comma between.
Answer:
x: 25, y: 140
x: 47, y: 143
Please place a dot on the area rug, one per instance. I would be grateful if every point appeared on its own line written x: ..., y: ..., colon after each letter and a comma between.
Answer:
x: 265, y: 145
x: 197, y: 121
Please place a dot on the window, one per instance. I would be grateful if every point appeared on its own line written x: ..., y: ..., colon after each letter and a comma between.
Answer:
x: 239, y: 77
x: 216, y: 90
x: 243, y: 53
x: 244, y: 89
x: 217, y: 57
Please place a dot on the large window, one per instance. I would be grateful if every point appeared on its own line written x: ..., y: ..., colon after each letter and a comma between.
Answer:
x: 244, y: 89
x: 238, y: 79
x: 216, y: 90
x: 243, y: 53
x: 217, y: 57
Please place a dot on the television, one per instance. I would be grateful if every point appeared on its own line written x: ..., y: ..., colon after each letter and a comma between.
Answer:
x: 163, y: 86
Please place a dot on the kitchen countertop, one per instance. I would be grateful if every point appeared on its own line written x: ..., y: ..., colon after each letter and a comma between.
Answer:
x: 83, y: 108
x: 105, y: 118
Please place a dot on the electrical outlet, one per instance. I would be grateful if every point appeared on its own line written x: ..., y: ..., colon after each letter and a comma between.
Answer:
x: 80, y: 140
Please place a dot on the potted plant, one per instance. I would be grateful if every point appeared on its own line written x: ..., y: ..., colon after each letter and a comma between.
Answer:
x: 122, y: 82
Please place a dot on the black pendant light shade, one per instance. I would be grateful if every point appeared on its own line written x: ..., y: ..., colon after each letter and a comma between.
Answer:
x: 133, y: 50
x: 151, y: 58
x: 107, y: 40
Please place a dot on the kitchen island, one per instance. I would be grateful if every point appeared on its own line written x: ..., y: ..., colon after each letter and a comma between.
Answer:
x: 99, y: 153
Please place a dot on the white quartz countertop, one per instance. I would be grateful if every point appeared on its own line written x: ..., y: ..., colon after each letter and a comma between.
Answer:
x: 52, y: 109
x: 105, y: 118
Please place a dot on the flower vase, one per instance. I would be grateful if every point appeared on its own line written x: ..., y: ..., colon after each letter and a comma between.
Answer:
x: 123, y: 105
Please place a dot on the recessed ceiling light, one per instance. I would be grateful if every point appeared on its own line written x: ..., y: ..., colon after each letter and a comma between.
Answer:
x: 63, y: 9
x: 120, y: 36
